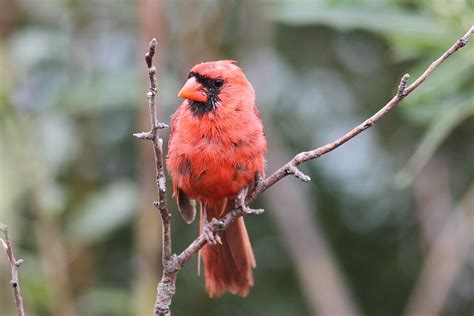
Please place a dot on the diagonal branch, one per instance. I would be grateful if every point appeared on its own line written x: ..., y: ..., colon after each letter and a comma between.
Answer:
x: 14, y: 264
x: 173, y: 263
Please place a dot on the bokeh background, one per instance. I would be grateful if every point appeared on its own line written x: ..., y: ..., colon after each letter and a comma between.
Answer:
x: 385, y: 227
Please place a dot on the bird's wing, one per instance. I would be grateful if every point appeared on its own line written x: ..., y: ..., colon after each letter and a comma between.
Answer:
x: 186, y: 206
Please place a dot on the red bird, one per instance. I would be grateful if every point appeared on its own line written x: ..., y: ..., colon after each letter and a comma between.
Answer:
x: 216, y: 149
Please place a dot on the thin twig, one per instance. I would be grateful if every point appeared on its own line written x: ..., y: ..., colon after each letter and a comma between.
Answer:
x: 166, y: 287
x: 14, y: 264
x: 172, y: 263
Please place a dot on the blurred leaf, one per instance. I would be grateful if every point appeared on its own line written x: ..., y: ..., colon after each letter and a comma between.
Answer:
x: 438, y: 131
x: 411, y: 32
x: 393, y: 22
x: 52, y: 198
x: 34, y: 46
x: 103, y: 212
x: 101, y: 92
x: 57, y: 135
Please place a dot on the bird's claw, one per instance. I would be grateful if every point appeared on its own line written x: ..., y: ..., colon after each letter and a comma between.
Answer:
x: 240, y: 203
x: 218, y: 224
x: 211, y: 236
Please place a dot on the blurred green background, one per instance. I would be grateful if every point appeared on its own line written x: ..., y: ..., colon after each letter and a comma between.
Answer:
x: 385, y: 227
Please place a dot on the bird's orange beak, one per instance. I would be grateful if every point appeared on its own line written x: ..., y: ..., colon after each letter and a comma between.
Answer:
x: 193, y: 90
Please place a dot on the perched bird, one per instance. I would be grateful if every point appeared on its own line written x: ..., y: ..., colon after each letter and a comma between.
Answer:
x: 216, y: 149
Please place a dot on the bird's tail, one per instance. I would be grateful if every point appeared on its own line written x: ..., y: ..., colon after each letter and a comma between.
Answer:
x: 228, y: 267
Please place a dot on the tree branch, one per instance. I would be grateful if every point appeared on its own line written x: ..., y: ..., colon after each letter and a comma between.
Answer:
x: 14, y: 264
x: 172, y: 263
x: 166, y: 287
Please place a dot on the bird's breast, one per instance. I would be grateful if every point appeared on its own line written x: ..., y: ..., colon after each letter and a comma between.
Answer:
x: 211, y: 162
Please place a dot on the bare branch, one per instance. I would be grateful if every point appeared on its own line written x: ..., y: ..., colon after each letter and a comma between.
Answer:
x: 165, y: 289
x: 14, y: 264
x: 292, y: 169
x: 173, y: 263
x: 456, y: 46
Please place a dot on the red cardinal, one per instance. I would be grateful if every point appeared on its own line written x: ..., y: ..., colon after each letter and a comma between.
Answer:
x: 216, y: 149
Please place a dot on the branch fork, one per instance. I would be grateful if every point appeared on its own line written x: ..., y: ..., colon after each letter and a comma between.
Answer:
x: 293, y: 169
x: 151, y: 134
x: 241, y: 204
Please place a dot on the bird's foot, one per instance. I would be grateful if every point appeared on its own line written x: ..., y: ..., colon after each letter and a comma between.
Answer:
x: 211, y: 230
x: 240, y: 203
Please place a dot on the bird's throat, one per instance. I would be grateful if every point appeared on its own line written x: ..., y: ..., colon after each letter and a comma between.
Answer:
x: 201, y: 108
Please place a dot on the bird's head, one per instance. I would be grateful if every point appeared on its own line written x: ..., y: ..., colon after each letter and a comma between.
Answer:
x: 214, y: 84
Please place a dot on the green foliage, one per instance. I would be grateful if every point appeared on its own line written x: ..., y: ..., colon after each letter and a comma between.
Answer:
x: 102, y: 212
x: 455, y: 112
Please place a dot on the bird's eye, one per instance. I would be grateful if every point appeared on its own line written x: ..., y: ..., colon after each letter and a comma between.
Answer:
x: 217, y: 83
